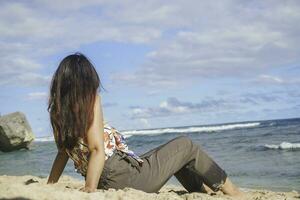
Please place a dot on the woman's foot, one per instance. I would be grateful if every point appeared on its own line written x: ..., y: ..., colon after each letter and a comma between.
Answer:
x: 207, y: 190
x: 230, y: 189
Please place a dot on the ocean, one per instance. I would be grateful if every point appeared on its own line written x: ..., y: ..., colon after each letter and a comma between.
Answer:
x: 256, y: 154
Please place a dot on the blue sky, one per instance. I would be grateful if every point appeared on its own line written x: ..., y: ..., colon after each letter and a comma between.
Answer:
x: 163, y: 63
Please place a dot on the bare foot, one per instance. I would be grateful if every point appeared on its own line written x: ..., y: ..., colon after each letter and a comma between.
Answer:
x: 207, y: 190
x: 230, y: 189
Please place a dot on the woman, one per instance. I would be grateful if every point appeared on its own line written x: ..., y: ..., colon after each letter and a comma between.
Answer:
x: 99, y: 151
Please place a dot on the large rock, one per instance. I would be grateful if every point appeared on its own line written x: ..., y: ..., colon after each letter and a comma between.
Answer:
x: 15, y: 132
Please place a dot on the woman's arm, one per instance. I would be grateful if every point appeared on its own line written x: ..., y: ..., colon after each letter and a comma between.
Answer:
x: 95, y: 142
x: 58, y: 166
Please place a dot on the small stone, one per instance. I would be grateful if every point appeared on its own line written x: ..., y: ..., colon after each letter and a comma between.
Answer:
x: 31, y: 181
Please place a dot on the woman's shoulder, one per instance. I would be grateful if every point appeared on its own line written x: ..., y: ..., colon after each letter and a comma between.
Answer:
x: 110, y: 129
x: 107, y: 125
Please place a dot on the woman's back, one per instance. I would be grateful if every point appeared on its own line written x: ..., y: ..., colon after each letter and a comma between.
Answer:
x: 113, y: 140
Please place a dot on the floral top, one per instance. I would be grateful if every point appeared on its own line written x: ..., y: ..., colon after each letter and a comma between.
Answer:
x: 113, y: 140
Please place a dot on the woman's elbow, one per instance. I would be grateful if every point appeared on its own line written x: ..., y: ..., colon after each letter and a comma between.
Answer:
x: 99, y: 152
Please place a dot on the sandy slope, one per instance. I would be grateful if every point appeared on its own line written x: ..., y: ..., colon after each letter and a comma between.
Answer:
x: 67, y: 188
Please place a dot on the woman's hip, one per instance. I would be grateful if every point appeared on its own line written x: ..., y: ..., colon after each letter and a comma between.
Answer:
x: 118, y: 171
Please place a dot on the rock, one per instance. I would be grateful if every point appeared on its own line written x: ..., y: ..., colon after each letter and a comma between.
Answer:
x: 15, y: 132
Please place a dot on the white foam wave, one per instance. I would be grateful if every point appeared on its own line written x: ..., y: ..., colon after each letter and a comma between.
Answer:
x: 283, y: 145
x: 127, y: 136
x: 44, y: 139
x: 190, y: 129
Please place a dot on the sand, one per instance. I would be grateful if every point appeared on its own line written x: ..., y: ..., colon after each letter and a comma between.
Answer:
x: 32, y: 187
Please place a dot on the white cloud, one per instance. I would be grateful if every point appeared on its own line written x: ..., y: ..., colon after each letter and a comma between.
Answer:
x: 37, y: 96
x: 172, y: 106
x: 270, y: 79
x: 191, y: 40
x: 228, y: 103
x: 30, y: 31
x: 275, y: 80
x: 145, y: 122
x: 224, y: 39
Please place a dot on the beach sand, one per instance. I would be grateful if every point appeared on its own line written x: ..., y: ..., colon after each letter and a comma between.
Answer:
x: 32, y: 187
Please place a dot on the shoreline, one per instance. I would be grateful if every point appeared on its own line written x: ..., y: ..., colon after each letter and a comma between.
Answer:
x: 34, y: 187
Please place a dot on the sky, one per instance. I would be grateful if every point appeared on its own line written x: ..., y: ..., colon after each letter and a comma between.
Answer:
x: 162, y: 63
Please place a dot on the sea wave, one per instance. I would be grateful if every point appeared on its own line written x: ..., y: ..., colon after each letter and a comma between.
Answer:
x: 44, y: 139
x: 283, y: 146
x: 190, y: 129
x: 216, y: 128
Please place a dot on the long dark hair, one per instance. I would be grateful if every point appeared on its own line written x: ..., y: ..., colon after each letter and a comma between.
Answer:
x: 73, y: 90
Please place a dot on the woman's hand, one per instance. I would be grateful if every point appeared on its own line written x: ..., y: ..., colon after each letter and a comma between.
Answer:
x: 87, y: 189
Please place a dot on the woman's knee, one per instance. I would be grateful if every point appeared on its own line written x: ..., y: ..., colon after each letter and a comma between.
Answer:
x: 184, y: 140
x: 188, y: 142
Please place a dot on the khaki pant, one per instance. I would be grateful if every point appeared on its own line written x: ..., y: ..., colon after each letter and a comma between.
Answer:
x: 180, y: 157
